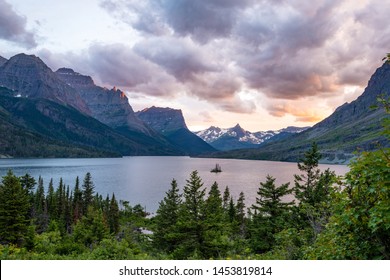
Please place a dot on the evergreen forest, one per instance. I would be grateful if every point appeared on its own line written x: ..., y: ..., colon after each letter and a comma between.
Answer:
x: 331, y: 217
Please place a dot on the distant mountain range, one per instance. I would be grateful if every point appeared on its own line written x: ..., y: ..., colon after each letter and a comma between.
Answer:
x: 64, y: 114
x: 354, y: 126
x: 226, y: 139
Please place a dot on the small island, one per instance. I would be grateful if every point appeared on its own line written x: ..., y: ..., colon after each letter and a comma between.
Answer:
x: 216, y: 169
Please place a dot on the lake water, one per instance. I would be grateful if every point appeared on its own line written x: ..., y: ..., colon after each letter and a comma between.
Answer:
x: 145, y: 180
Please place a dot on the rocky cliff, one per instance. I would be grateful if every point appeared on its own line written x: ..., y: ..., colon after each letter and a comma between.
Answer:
x: 30, y: 77
x: 110, y: 106
x: 2, y: 60
x: 163, y: 120
x: 170, y: 122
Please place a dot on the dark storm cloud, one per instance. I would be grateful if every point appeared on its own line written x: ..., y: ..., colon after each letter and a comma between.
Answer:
x: 13, y: 27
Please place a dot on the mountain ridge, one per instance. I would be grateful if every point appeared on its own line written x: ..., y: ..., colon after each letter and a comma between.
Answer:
x: 30, y: 77
x: 236, y: 137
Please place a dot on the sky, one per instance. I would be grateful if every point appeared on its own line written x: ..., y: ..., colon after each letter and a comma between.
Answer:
x: 265, y: 64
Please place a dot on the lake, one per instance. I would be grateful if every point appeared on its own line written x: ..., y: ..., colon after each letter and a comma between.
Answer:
x: 145, y: 180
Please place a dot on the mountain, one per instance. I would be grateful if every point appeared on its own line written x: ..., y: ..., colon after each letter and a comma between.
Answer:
x: 27, y: 76
x: 170, y: 122
x: 109, y: 106
x: 353, y: 126
x: 30, y: 77
x: 239, y: 138
x: 37, y: 127
x: 2, y: 60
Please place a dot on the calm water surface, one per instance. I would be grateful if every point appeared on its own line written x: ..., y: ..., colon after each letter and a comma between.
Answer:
x: 145, y: 180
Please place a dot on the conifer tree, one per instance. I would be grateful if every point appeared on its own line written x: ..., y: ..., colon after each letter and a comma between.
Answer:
x: 88, y: 192
x: 77, y: 202
x: 240, y: 215
x: 226, y: 198
x: 166, y: 234
x: 191, y: 217
x: 113, y: 216
x: 41, y: 215
x: 60, y: 198
x: 51, y: 201
x: 28, y: 184
x: 271, y: 214
x: 312, y: 189
x: 39, y: 198
x: 215, y: 231
x: 14, y: 207
x: 67, y: 215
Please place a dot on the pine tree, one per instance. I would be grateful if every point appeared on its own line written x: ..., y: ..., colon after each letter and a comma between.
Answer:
x: 41, y: 215
x: 270, y: 216
x: 51, y: 201
x: 166, y: 234
x: 67, y: 215
x: 313, y: 189
x: 88, y: 191
x: 77, y: 204
x: 28, y: 184
x: 113, y: 216
x: 305, y: 183
x: 226, y: 198
x: 39, y: 201
x: 216, y: 232
x: 14, y: 207
x: 240, y: 215
x: 60, y: 198
x: 191, y: 217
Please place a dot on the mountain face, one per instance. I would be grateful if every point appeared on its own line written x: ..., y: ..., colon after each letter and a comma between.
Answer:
x: 42, y: 128
x: 2, y: 60
x: 170, y: 122
x: 238, y: 138
x: 164, y: 120
x: 110, y: 107
x: 353, y: 126
x: 28, y: 76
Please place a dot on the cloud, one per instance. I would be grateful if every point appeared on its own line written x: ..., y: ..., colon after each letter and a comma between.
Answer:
x: 301, y: 112
x: 212, y: 50
x: 13, y: 27
x: 180, y: 57
x: 203, y: 20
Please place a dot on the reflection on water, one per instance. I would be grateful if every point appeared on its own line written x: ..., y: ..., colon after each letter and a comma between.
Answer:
x: 145, y: 180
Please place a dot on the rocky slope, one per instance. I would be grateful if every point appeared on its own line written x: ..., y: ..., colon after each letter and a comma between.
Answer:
x: 109, y: 106
x: 353, y: 126
x: 170, y: 122
x: 29, y: 76
x: 2, y: 60
x: 42, y: 128
x: 239, y: 138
